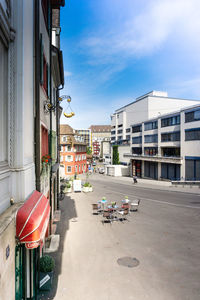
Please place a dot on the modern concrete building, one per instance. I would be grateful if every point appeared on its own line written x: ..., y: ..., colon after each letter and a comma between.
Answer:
x: 159, y: 137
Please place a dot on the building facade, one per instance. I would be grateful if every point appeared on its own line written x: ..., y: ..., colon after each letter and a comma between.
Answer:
x: 87, y: 137
x: 27, y: 136
x: 99, y: 133
x: 73, y: 152
x: 163, y: 147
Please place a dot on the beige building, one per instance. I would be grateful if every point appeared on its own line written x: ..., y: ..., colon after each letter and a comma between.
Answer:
x: 99, y: 133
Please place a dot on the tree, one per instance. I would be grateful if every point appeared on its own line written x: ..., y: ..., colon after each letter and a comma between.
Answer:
x: 89, y: 150
x: 115, y: 155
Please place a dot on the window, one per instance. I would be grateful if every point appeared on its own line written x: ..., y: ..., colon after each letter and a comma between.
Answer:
x: 192, y: 116
x: 151, y: 125
x: 128, y: 130
x: 128, y: 137
x: 119, y: 138
x: 113, y: 132
x: 137, y: 140
x: 76, y: 168
x: 119, y: 131
x: 192, y: 134
x: 137, y: 150
x: 175, y: 120
x: 46, y: 13
x: 170, y: 136
x: 153, y: 138
x: 62, y: 148
x: 137, y: 128
x: 121, y: 125
x: 45, y: 148
x: 151, y: 151
x: 61, y: 158
x: 69, y: 158
x: 64, y: 138
x: 3, y: 102
x: 69, y: 169
x: 69, y: 148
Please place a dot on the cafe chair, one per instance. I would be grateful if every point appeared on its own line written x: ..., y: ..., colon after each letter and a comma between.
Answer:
x: 107, y: 217
x: 123, y: 213
x: 135, y: 205
x: 96, y: 208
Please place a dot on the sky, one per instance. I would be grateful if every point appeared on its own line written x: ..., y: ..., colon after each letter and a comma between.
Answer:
x: 117, y: 50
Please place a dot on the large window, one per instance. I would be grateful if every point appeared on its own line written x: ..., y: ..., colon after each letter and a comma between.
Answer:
x: 192, y: 168
x: 113, y: 132
x: 170, y: 136
x: 175, y: 120
x: 69, y: 169
x: 192, y: 116
x: 137, y: 140
x: 152, y: 138
x: 119, y: 131
x: 3, y: 102
x: 151, y: 151
x: 151, y: 125
x: 128, y: 130
x: 192, y: 134
x: 137, y: 150
x: 137, y: 128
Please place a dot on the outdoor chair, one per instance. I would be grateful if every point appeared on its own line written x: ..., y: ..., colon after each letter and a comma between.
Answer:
x: 126, y: 206
x: 123, y: 213
x: 107, y: 217
x: 135, y: 205
x: 96, y: 208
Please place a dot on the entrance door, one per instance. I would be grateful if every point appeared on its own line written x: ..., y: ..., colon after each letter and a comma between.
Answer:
x: 20, y: 272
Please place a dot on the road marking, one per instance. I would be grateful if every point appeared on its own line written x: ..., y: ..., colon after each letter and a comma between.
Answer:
x: 157, y: 201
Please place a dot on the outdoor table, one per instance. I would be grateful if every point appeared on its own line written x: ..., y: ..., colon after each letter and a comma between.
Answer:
x: 103, y: 201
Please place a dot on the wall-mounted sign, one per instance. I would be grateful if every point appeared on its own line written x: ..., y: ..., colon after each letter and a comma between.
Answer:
x: 7, y: 251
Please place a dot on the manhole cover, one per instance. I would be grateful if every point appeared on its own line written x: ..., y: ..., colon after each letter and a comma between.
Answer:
x: 129, y: 262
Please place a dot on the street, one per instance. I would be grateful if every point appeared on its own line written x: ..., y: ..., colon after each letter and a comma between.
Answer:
x: 163, y: 237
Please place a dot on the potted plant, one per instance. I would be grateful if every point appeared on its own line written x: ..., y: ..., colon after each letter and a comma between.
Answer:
x: 47, y: 265
x: 90, y: 187
x: 86, y: 187
x: 67, y: 188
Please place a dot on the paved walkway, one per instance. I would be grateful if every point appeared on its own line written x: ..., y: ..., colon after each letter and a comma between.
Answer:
x: 86, y: 262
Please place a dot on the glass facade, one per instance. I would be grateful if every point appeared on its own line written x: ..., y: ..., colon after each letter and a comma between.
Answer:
x: 137, y: 128
x: 175, y: 120
x: 192, y: 116
x: 137, y: 140
x: 152, y: 138
x: 150, y: 151
x: 170, y: 136
x: 192, y: 134
x: 137, y: 150
x: 151, y: 125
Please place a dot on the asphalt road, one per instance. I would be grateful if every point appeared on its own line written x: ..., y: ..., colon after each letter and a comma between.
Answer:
x: 94, y: 259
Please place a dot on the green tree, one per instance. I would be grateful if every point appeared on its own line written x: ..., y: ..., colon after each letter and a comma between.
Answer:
x: 89, y: 150
x: 115, y: 155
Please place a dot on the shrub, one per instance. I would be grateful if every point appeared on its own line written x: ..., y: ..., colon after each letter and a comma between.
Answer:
x: 86, y: 184
x: 68, y: 185
x: 47, y: 264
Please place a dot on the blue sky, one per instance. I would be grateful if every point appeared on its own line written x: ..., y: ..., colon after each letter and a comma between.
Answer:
x: 117, y: 50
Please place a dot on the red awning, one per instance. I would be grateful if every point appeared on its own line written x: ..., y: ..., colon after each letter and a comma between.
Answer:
x: 32, y: 220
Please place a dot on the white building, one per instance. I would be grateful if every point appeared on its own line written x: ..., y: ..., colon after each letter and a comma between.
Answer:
x: 159, y: 136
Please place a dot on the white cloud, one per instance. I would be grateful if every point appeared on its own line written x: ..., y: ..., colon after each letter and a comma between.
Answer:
x: 67, y: 74
x: 159, y: 22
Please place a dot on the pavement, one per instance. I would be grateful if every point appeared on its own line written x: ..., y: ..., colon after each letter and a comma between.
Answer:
x: 94, y: 259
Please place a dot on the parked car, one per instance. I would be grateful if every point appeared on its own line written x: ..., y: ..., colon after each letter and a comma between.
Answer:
x: 94, y: 163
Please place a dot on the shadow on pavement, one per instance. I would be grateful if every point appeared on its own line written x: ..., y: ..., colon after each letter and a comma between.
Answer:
x: 68, y: 212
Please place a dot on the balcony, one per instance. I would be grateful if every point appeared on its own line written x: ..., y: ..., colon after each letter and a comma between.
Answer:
x: 156, y: 158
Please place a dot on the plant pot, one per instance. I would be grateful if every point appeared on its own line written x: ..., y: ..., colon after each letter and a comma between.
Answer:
x: 85, y: 189
x: 90, y: 189
x: 46, y: 280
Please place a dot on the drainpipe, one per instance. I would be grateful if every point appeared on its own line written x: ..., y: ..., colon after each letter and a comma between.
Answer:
x: 37, y: 94
x: 58, y: 140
